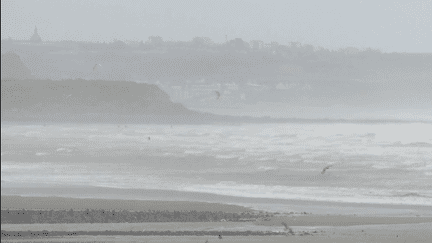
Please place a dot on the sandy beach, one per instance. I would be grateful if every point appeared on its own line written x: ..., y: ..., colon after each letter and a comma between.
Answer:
x: 63, y: 203
x: 321, y: 227
x: 131, y: 199
x: 402, y: 233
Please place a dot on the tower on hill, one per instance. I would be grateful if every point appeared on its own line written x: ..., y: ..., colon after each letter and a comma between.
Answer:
x: 35, y: 37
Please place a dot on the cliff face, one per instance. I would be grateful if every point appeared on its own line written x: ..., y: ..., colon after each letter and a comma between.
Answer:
x: 43, y: 97
x: 13, y: 68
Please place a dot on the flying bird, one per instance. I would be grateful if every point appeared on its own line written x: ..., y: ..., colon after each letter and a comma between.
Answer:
x: 148, y: 138
x: 95, y: 66
x: 326, y: 168
x: 218, y: 94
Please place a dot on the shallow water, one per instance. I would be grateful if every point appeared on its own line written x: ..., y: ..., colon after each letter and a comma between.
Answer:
x: 371, y: 163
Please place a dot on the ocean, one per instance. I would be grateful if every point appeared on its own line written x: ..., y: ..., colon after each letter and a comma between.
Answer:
x: 369, y: 163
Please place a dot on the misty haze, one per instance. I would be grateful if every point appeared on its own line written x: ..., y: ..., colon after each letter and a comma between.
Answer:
x: 233, y: 119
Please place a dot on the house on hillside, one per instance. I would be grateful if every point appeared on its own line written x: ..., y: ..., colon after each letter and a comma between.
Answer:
x: 256, y: 44
x: 204, y: 89
x: 202, y: 41
x: 238, y: 44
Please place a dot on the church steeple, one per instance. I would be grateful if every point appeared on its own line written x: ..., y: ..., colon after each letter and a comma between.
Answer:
x: 35, y: 37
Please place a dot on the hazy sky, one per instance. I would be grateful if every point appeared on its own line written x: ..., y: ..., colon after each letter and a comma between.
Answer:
x: 387, y: 25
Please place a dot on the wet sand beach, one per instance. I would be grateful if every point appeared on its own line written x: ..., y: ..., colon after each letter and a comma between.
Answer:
x: 319, y: 227
x: 402, y: 233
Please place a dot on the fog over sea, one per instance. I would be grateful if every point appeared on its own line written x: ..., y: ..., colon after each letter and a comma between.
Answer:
x: 371, y: 163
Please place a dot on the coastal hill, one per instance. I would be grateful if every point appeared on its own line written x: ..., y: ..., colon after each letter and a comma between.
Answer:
x: 89, y: 101
x: 13, y: 68
x: 25, y: 99
x: 78, y: 100
x: 98, y: 101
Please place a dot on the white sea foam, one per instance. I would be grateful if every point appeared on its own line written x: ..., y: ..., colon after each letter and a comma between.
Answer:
x: 193, y: 152
x: 266, y: 168
x: 226, y: 156
x: 336, y: 194
x: 64, y: 150
x: 381, y: 166
x: 41, y: 154
x: 358, y: 151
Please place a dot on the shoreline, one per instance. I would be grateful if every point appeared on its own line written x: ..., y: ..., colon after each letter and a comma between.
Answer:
x: 306, y: 227
x: 252, y: 204
x: 147, y: 120
x: 382, y: 233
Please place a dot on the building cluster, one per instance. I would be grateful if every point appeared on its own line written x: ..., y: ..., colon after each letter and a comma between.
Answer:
x: 156, y: 41
x: 181, y: 93
x: 206, y: 91
x: 193, y: 89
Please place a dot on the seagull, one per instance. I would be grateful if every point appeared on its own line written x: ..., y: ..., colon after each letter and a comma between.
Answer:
x: 95, y: 66
x: 325, y: 168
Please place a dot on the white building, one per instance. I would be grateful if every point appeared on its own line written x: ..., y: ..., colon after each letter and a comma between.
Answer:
x: 203, y: 89
x: 256, y: 44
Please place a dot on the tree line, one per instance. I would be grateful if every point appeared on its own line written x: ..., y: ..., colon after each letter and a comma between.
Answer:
x: 106, y: 216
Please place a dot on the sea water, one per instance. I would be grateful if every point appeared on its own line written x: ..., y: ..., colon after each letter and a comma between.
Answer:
x: 389, y: 163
